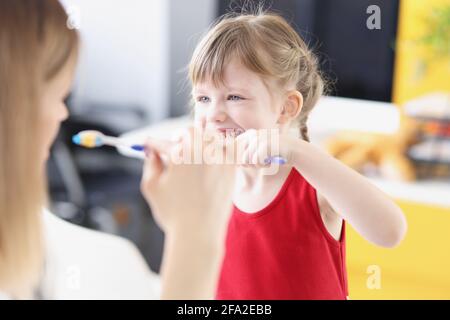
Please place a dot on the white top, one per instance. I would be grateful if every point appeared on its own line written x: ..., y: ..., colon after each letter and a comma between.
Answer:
x: 87, y: 264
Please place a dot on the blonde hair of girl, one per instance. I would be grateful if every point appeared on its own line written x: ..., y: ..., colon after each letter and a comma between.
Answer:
x: 266, y: 44
x: 35, y: 45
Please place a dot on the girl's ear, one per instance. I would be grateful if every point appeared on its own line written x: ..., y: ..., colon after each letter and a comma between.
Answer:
x: 292, y: 107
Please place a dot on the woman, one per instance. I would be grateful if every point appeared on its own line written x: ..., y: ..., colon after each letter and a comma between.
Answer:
x: 38, y: 56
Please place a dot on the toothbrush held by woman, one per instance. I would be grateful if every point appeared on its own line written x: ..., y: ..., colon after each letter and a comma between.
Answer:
x: 95, y: 139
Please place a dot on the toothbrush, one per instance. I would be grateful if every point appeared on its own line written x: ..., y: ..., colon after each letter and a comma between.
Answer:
x: 95, y: 139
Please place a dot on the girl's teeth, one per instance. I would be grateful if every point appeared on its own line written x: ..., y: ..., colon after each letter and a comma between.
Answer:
x: 234, y: 132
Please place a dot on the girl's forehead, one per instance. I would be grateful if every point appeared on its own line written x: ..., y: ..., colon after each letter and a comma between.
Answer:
x: 228, y: 85
x: 232, y: 71
x: 233, y: 78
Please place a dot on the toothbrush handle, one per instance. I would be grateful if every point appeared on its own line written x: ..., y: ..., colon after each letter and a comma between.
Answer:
x: 270, y: 160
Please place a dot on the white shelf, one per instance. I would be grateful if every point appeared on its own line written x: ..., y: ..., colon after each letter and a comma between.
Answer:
x: 429, y: 192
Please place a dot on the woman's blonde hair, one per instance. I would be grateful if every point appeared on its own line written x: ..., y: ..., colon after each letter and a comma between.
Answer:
x: 35, y: 44
x: 265, y: 43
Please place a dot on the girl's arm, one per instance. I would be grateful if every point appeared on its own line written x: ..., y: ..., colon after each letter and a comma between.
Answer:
x: 375, y: 216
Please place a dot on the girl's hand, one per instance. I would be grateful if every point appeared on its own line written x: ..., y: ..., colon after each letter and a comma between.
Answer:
x: 254, y: 147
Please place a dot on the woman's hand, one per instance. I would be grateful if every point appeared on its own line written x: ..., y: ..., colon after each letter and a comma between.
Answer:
x: 186, y: 195
x: 192, y: 204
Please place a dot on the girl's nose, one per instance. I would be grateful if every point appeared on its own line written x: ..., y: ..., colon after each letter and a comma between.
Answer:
x: 216, y: 113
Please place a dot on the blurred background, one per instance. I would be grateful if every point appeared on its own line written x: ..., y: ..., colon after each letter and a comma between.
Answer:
x: 387, y: 115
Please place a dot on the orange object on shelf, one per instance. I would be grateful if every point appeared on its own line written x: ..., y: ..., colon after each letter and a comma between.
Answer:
x: 436, y: 128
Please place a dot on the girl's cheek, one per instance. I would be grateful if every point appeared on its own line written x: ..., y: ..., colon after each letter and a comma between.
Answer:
x: 245, y: 120
x: 199, y: 119
x: 198, y: 115
x: 201, y: 123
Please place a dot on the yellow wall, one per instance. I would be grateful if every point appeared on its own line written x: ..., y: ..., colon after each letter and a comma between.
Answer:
x: 419, y: 268
x: 409, y: 55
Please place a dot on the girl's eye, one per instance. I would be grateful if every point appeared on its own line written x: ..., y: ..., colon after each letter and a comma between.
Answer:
x: 203, y: 99
x: 235, y: 98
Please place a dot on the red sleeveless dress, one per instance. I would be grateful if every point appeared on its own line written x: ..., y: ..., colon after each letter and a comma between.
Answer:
x: 283, y: 251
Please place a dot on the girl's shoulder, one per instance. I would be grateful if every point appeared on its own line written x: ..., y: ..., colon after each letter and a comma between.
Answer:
x: 330, y: 221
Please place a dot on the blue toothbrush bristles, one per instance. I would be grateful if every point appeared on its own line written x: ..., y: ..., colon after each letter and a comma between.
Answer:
x: 138, y: 147
x: 275, y: 160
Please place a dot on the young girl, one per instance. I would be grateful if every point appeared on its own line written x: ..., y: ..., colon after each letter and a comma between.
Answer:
x: 286, y: 236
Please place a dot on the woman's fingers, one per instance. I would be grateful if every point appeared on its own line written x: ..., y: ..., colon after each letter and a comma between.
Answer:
x: 200, y: 124
x: 195, y: 146
x: 153, y: 169
x: 160, y: 146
